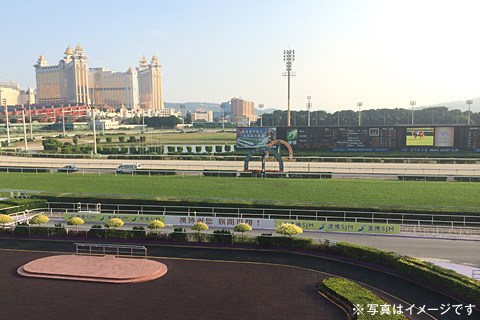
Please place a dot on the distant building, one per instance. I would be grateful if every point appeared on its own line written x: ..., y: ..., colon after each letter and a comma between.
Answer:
x: 150, y: 84
x: 66, y: 82
x: 72, y: 82
x: 242, y: 109
x: 113, y: 88
x: 207, y: 116
x: 12, y: 95
x: 105, y: 124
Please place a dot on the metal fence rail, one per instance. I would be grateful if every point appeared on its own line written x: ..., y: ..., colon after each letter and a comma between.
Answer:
x: 417, y: 219
x: 226, y: 157
x: 131, y: 251
x: 306, y: 170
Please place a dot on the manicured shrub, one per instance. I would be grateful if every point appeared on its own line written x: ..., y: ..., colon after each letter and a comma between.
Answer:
x: 242, y: 227
x: 209, y: 149
x: 132, y: 139
x: 114, y: 223
x: 39, y: 219
x: 108, y: 139
x: 75, y: 221
x: 288, y: 229
x: 5, y: 219
x: 121, y: 139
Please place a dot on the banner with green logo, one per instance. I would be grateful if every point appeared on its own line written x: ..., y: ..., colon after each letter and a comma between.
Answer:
x: 102, y: 218
x: 351, y: 227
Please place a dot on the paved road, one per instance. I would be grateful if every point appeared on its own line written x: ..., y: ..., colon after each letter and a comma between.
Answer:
x: 394, y: 289
x: 334, y: 167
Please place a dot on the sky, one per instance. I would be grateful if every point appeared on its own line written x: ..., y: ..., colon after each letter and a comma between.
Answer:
x: 382, y: 53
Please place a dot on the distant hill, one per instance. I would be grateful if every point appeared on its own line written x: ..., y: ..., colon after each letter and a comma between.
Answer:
x: 192, y: 106
x: 461, y: 105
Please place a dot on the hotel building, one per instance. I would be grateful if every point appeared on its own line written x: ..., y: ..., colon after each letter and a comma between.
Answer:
x: 72, y: 82
x: 150, y: 84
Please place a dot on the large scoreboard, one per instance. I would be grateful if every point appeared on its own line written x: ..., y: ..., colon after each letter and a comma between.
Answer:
x: 473, y: 139
x: 342, y: 138
x: 402, y: 138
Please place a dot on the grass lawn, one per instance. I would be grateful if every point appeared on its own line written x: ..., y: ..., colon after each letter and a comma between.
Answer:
x: 363, y: 193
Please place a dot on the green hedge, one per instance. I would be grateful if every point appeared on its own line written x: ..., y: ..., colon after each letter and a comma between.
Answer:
x: 9, y: 206
x: 354, y: 294
x: 429, y: 272
x: 285, y: 242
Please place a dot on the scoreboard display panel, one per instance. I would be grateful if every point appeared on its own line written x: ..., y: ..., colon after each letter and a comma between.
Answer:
x: 343, y: 138
x: 473, y: 139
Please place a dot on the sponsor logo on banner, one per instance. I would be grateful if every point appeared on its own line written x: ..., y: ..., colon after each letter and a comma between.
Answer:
x: 127, y: 218
x: 351, y: 227
x: 217, y: 222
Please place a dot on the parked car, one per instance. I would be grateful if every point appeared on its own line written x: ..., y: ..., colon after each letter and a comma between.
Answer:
x: 68, y: 169
x: 128, y: 168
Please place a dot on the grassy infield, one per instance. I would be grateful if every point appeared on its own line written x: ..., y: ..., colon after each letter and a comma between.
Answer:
x: 325, y: 193
x: 333, y: 193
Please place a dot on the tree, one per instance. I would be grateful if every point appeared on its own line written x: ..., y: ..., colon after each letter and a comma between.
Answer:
x: 199, y: 226
x: 114, y: 223
x: 5, y: 219
x: 39, y: 219
x: 242, y: 227
x: 75, y: 221
x: 155, y: 224
x: 75, y: 141
x: 188, y: 117
x: 288, y: 229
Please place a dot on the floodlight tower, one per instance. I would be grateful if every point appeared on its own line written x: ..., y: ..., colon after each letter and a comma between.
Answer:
x: 309, y: 107
x: 92, y: 107
x: 24, y: 128
x: 30, y: 113
x: 4, y: 102
x: 413, y: 103
x: 222, y: 106
x: 469, y: 102
x: 260, y: 106
x: 288, y: 57
x: 359, y: 105
x: 182, y: 108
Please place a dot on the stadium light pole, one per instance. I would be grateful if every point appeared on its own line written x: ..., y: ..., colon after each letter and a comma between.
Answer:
x: 30, y: 113
x: 63, y: 121
x: 413, y: 103
x: 309, y: 107
x: 24, y: 128
x: 469, y: 102
x: 288, y: 57
x: 359, y: 105
x: 222, y: 106
x: 260, y: 106
x: 94, y: 130
x: 182, y: 110
x: 4, y: 102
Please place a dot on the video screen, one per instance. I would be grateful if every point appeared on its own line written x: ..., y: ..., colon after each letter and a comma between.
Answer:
x: 420, y: 136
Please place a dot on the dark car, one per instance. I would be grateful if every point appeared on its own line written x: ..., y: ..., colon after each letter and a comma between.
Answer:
x: 68, y: 169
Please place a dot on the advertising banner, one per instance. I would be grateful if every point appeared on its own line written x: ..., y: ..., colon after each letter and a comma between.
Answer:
x: 444, y: 136
x: 217, y: 222
x: 102, y: 218
x: 250, y: 138
x: 351, y: 227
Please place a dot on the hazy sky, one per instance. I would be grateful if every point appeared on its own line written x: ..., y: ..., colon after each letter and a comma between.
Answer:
x: 382, y: 53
